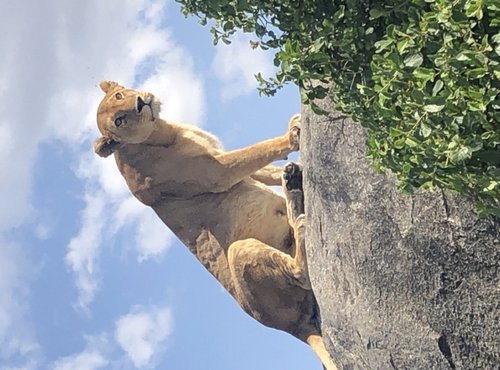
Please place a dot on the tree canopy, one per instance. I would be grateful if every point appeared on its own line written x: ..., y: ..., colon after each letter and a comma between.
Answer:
x: 422, y: 76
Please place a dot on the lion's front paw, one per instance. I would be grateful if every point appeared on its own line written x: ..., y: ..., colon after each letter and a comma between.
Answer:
x: 294, y: 131
x: 105, y: 146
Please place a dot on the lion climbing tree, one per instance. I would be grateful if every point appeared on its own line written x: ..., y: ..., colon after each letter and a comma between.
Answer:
x: 404, y: 281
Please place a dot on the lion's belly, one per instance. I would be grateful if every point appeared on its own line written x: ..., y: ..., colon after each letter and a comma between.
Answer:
x: 260, y: 214
x: 248, y: 210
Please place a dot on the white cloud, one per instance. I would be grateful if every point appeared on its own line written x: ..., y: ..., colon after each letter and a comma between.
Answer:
x: 30, y: 365
x: 179, y: 90
x: 142, y: 334
x: 50, y: 66
x: 16, y: 331
x: 152, y: 238
x: 91, y: 358
x: 138, y: 340
x: 42, y: 231
x: 102, y: 176
x: 86, y: 360
x: 237, y: 64
x: 83, y: 250
x: 16, y: 176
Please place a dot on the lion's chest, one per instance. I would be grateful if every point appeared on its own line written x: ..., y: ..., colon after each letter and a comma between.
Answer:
x: 153, y: 173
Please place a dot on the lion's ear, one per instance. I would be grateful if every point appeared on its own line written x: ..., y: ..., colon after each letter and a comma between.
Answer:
x: 108, y: 86
x: 105, y: 146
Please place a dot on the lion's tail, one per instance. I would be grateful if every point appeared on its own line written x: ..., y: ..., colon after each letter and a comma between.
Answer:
x: 318, y: 347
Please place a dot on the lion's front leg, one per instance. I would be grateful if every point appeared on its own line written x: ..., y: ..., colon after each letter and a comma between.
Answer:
x: 241, y: 163
x: 269, y: 175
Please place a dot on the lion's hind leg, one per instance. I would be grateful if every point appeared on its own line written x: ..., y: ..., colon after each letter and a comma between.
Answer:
x: 258, y: 269
x: 294, y: 194
x: 269, y: 287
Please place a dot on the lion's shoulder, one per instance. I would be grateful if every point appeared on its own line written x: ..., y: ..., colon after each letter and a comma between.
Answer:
x: 199, y: 136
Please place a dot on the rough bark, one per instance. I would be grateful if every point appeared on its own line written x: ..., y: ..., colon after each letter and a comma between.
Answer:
x: 403, y: 282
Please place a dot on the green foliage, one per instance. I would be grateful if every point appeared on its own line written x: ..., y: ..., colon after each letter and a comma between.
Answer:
x: 422, y: 76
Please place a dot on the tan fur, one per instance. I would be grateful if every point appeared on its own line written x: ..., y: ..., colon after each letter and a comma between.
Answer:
x: 219, y: 206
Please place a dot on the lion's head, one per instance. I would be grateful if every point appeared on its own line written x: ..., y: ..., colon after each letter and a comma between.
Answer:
x: 124, y: 116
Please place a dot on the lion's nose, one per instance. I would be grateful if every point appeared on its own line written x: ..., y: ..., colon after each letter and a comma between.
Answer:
x: 140, y: 104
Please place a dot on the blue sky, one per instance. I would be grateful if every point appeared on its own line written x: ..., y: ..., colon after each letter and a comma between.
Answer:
x: 89, y: 277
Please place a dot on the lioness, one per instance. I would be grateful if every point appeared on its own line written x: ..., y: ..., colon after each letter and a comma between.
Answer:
x: 219, y: 205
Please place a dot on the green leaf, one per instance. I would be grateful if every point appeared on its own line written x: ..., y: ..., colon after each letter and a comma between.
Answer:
x: 425, y: 130
x: 492, y: 185
x: 403, y: 44
x: 394, y: 132
x: 433, y: 108
x: 413, y: 60
x: 438, y: 85
x: 463, y: 56
x: 339, y: 14
x: 486, y: 135
x: 435, y: 104
x: 228, y: 26
x: 461, y: 155
x: 476, y: 73
x: 399, y: 144
x: 473, y: 8
x: 476, y: 106
x: 411, y: 143
x: 382, y: 45
x: 377, y: 13
x: 407, y: 168
x: 440, y: 61
x: 424, y: 73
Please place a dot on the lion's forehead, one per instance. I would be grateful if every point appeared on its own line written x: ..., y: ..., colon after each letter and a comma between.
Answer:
x: 110, y: 106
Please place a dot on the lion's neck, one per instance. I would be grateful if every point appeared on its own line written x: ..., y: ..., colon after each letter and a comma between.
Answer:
x: 163, y: 134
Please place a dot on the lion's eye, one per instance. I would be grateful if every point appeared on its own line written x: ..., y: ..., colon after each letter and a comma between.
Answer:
x: 119, y: 96
x: 120, y: 121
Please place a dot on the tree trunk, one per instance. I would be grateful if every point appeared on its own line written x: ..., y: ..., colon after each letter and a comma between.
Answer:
x: 403, y: 282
